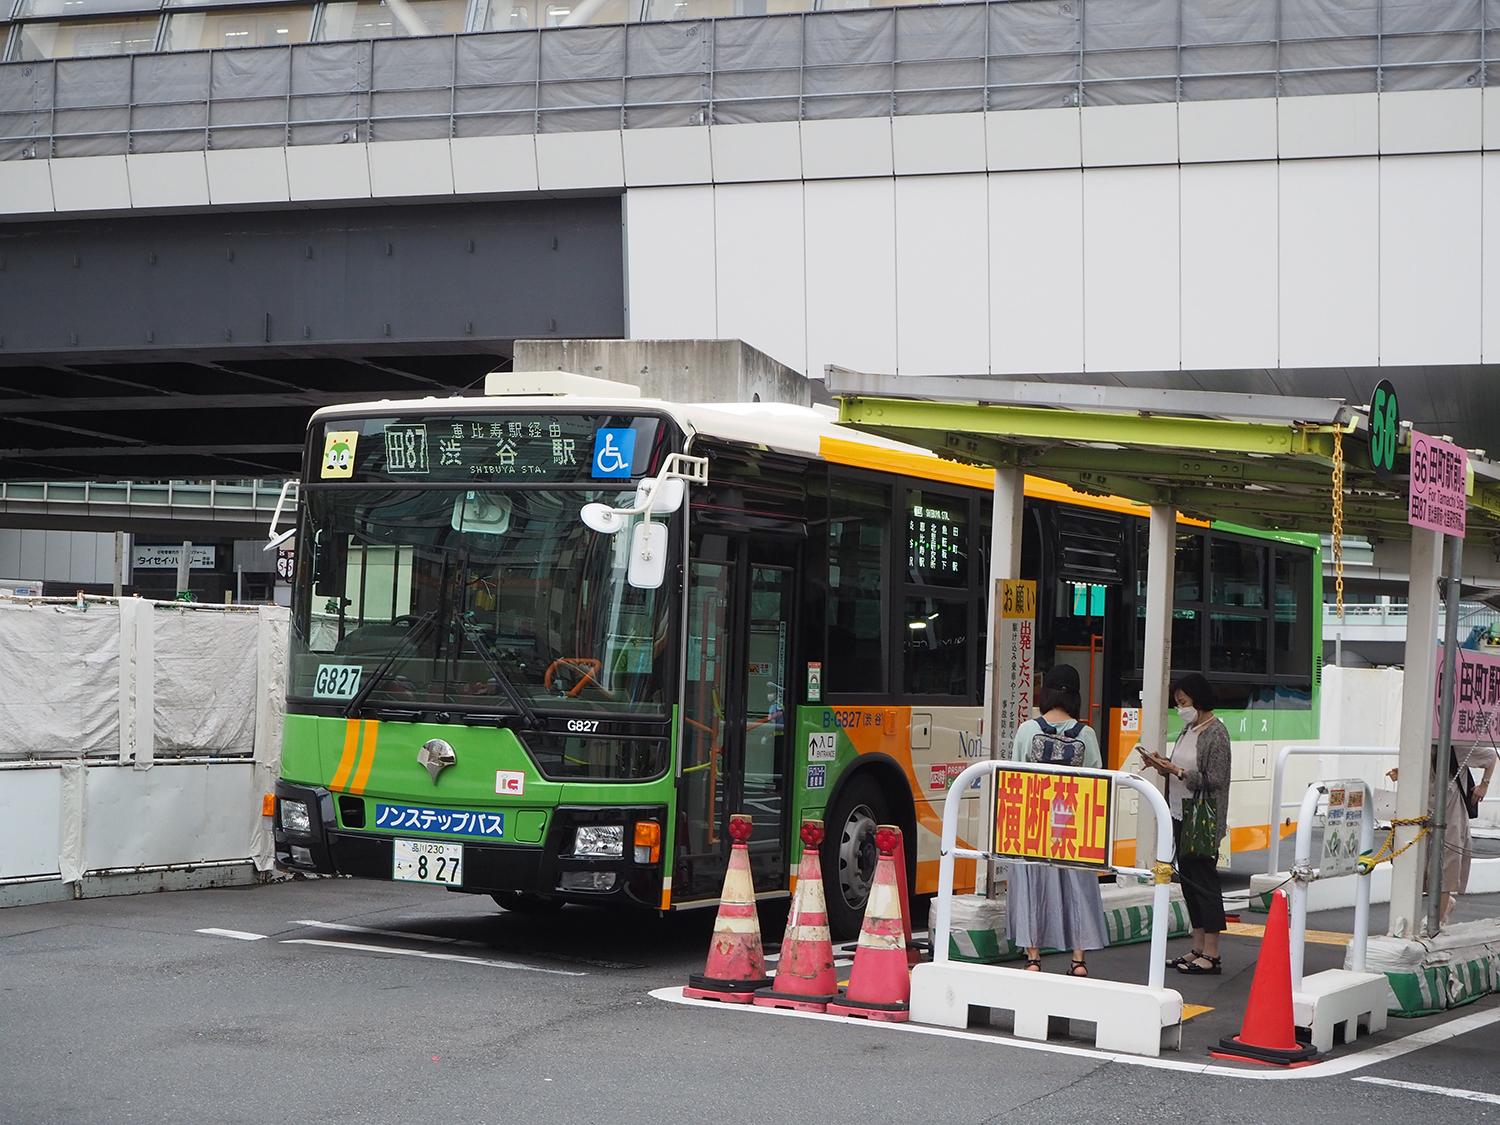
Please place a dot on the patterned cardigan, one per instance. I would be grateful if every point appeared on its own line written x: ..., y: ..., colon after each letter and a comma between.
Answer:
x: 1212, y: 769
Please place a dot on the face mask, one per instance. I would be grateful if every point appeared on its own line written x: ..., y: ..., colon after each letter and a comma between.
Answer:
x: 1187, y: 714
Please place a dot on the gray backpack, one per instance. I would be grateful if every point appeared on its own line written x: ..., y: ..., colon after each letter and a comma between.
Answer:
x: 1057, y: 746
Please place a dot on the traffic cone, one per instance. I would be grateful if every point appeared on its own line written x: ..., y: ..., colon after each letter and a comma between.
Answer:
x: 736, y: 964
x: 805, y: 980
x: 880, y: 982
x: 1267, y: 1035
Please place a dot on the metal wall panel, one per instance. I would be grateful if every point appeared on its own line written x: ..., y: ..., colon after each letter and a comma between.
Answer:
x: 942, y: 275
x: 1131, y: 269
x: 1430, y: 253
x: 759, y: 266
x: 1330, y: 263
x: 1229, y: 273
x: 669, y: 236
x: 338, y: 277
x: 851, y: 275
x: 1036, y: 272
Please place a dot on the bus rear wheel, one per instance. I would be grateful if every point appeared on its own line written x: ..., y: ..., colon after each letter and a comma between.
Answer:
x: 849, y: 852
x: 520, y: 902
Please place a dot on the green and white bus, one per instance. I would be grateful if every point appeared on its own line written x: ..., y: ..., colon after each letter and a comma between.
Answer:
x: 544, y: 644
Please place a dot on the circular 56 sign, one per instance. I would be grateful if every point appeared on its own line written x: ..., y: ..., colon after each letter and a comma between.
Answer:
x: 1385, y: 428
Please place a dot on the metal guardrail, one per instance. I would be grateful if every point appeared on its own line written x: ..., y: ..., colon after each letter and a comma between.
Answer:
x: 801, y: 66
x: 255, y: 499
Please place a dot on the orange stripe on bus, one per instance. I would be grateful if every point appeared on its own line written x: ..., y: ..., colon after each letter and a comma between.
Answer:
x: 367, y: 762
x: 351, y: 749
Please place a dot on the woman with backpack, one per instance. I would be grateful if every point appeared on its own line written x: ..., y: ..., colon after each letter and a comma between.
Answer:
x: 1056, y: 907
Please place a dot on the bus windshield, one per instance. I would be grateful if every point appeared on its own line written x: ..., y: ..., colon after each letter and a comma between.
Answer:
x: 478, y: 601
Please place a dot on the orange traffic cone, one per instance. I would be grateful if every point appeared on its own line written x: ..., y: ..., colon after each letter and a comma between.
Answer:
x: 1267, y: 1034
x: 736, y: 964
x: 880, y: 982
x: 805, y: 980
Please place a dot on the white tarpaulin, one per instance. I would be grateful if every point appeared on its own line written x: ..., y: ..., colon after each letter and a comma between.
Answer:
x: 95, y: 697
x: 137, y: 680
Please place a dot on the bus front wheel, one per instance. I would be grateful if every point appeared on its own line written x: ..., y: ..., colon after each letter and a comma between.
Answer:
x: 519, y: 902
x: 849, y: 852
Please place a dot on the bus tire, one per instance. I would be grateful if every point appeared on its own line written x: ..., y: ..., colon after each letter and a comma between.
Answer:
x: 849, y: 851
x: 520, y: 902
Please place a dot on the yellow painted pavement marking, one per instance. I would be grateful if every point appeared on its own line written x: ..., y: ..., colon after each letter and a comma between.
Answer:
x: 1191, y: 1010
x: 1317, y: 937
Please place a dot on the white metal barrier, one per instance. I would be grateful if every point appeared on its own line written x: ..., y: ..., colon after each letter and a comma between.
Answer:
x: 1303, y: 873
x: 1351, y: 999
x: 1126, y: 1017
x: 1278, y: 773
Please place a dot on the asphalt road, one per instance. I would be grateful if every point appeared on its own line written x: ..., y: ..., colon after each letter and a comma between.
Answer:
x: 123, y: 1010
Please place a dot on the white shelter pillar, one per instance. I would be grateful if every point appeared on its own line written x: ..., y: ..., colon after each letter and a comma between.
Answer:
x: 1005, y: 562
x: 1161, y: 568
x: 1414, y: 789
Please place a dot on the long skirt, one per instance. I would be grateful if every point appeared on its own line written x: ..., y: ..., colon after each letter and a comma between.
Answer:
x: 1054, y: 908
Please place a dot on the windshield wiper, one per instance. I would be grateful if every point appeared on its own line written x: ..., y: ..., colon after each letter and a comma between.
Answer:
x: 422, y: 626
x: 525, y: 710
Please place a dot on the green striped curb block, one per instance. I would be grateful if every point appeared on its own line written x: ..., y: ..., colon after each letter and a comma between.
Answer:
x: 1431, y: 975
x: 977, y: 932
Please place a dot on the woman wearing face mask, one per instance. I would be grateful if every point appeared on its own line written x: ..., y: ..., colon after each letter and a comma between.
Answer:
x: 1199, y: 763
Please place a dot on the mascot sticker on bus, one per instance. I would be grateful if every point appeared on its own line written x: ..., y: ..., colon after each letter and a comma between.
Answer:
x: 338, y: 454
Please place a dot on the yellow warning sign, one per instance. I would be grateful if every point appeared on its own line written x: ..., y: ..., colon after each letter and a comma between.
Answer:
x: 1053, y: 817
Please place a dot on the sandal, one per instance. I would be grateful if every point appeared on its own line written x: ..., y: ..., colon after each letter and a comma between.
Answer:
x: 1033, y: 964
x: 1077, y: 965
x: 1213, y: 968
x: 1190, y: 955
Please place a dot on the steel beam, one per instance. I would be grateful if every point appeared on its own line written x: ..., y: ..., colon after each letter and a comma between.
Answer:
x: 1107, y: 431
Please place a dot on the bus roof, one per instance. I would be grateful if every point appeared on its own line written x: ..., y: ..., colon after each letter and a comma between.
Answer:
x: 808, y: 431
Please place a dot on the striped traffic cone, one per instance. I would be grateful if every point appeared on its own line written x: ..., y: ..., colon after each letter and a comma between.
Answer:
x: 736, y: 964
x: 805, y: 979
x: 880, y: 982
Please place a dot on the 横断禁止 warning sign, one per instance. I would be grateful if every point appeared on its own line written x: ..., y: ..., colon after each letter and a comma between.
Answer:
x: 1053, y: 817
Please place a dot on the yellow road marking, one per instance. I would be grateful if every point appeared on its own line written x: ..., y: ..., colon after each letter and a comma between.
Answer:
x: 367, y: 762
x: 1317, y: 937
x: 1191, y: 1010
x: 351, y: 748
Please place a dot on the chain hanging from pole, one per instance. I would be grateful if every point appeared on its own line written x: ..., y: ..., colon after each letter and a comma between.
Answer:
x: 1338, y: 518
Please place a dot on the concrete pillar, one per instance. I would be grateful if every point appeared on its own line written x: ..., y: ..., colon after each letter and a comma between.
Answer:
x: 1414, y: 790
x: 1160, y: 587
x: 1007, y: 512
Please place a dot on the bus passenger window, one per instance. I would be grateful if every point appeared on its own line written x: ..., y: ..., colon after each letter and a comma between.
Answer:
x: 858, y: 523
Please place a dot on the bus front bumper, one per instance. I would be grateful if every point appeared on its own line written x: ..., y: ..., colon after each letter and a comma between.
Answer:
x: 547, y: 870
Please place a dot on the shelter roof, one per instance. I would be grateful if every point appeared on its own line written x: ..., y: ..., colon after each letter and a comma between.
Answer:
x: 1264, y: 461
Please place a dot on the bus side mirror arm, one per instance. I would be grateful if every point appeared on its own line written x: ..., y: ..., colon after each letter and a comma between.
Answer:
x: 277, y: 538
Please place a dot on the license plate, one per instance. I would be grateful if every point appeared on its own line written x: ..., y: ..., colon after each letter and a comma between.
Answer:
x: 427, y: 861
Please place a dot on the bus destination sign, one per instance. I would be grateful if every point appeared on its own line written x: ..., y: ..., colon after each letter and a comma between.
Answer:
x: 498, y: 449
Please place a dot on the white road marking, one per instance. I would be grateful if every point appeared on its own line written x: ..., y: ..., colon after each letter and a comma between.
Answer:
x: 344, y: 927
x: 459, y: 957
x: 238, y: 935
x: 1330, y: 1069
x: 1423, y: 1088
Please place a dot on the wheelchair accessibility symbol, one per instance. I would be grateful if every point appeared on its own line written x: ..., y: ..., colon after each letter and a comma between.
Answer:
x: 614, y: 452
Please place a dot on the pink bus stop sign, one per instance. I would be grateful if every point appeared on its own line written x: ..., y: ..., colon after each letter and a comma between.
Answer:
x: 1439, y: 484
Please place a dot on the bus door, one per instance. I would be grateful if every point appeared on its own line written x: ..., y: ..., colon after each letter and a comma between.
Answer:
x: 735, y: 738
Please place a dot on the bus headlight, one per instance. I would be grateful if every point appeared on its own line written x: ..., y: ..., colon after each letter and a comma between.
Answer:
x: 604, y: 841
x: 295, y: 817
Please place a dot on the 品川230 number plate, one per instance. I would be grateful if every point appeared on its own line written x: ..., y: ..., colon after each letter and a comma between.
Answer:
x: 427, y: 861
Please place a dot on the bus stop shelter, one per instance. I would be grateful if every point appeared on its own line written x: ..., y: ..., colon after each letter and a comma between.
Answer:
x: 1271, y: 462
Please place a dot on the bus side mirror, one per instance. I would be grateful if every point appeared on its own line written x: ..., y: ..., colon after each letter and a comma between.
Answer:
x: 662, y: 496
x: 648, y: 556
